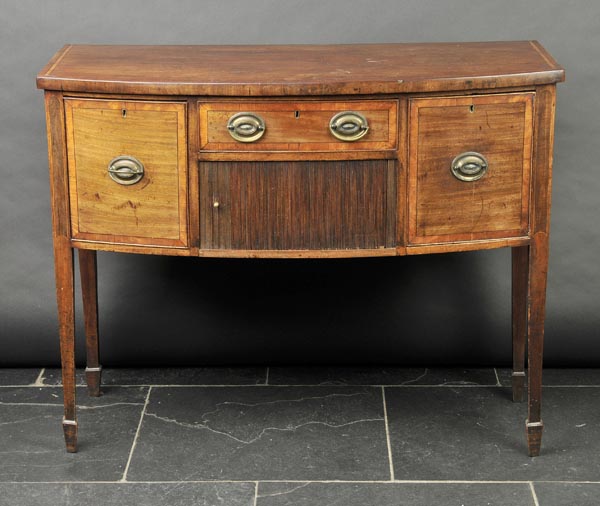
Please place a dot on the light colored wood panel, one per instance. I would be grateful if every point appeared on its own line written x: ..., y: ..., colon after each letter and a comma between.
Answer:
x: 155, y: 210
x: 442, y: 208
x: 145, y: 249
x: 298, y: 126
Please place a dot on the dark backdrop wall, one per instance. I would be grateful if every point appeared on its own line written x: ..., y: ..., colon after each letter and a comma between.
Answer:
x: 445, y: 309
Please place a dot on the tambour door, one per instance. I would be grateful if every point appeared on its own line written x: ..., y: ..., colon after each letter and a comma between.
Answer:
x: 128, y: 171
x: 470, y: 167
x: 307, y: 205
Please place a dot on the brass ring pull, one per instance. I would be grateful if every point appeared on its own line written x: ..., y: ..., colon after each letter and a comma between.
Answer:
x: 469, y: 166
x: 246, y: 127
x: 348, y: 126
x: 125, y: 170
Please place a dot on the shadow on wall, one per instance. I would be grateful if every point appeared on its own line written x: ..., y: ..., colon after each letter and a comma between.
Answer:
x: 408, y: 310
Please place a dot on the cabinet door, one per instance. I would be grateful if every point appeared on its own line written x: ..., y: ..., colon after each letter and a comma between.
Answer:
x: 470, y: 167
x: 109, y: 140
x: 329, y: 205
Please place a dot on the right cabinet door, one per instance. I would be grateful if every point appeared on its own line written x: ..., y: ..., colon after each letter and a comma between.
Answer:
x: 470, y: 167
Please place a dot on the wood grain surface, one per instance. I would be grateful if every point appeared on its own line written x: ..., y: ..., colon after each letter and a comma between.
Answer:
x: 351, y: 69
x: 299, y: 125
x: 446, y: 209
x: 297, y: 206
x: 298, y: 192
x: 153, y: 211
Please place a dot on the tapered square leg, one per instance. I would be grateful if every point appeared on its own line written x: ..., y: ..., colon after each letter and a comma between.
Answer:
x: 89, y: 289
x: 70, y: 432
x: 538, y: 260
x: 534, y: 437
x: 93, y: 379
x: 520, y: 271
x: 63, y: 259
x: 63, y: 262
x: 538, y: 267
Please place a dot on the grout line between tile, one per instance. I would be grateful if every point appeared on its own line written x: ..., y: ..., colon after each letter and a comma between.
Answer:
x: 387, y: 434
x: 304, y: 385
x: 497, y: 378
x: 267, y: 377
x: 325, y: 385
x: 535, y: 499
x: 571, y: 386
x: 255, y: 493
x: 39, y: 381
x: 382, y: 482
x: 137, y: 433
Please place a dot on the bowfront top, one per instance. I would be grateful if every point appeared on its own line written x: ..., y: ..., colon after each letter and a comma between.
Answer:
x: 282, y: 70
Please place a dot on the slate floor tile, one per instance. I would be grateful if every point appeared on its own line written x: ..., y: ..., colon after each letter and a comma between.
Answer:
x: 380, y: 376
x: 394, y: 494
x: 170, y: 376
x: 32, y: 444
x: 478, y: 434
x: 254, y: 433
x: 128, y: 494
x: 560, y: 377
x: 568, y: 494
x: 15, y: 376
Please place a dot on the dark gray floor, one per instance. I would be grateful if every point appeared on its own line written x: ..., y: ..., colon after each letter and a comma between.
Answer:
x: 298, y: 437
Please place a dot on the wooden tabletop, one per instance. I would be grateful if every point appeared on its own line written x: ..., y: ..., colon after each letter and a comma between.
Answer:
x: 298, y: 69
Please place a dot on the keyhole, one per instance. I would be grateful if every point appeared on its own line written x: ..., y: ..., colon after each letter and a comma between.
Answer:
x: 472, y: 108
x: 296, y: 114
x: 124, y: 112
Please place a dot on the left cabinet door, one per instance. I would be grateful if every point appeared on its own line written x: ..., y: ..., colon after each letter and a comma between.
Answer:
x: 128, y: 172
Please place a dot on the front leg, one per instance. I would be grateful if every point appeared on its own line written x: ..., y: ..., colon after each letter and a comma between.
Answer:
x: 63, y: 258
x: 538, y: 269
x: 63, y: 267
x: 538, y: 258
x: 89, y: 289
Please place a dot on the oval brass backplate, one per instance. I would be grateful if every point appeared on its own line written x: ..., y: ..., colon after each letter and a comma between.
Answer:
x: 348, y: 126
x: 469, y: 166
x: 125, y: 170
x: 246, y: 127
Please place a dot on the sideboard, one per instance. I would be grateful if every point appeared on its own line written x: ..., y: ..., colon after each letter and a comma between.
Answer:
x: 302, y: 151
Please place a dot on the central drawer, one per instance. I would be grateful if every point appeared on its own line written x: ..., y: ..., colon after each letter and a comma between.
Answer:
x: 298, y: 125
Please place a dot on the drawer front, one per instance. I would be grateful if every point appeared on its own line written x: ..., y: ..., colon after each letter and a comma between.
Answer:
x: 109, y: 141
x: 470, y: 167
x: 329, y: 205
x: 299, y: 126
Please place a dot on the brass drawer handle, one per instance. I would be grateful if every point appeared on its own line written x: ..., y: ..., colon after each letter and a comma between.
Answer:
x: 125, y: 170
x: 246, y: 127
x: 469, y: 166
x: 348, y: 126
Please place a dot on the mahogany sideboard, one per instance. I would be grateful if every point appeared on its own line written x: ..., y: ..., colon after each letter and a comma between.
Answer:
x: 302, y: 151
